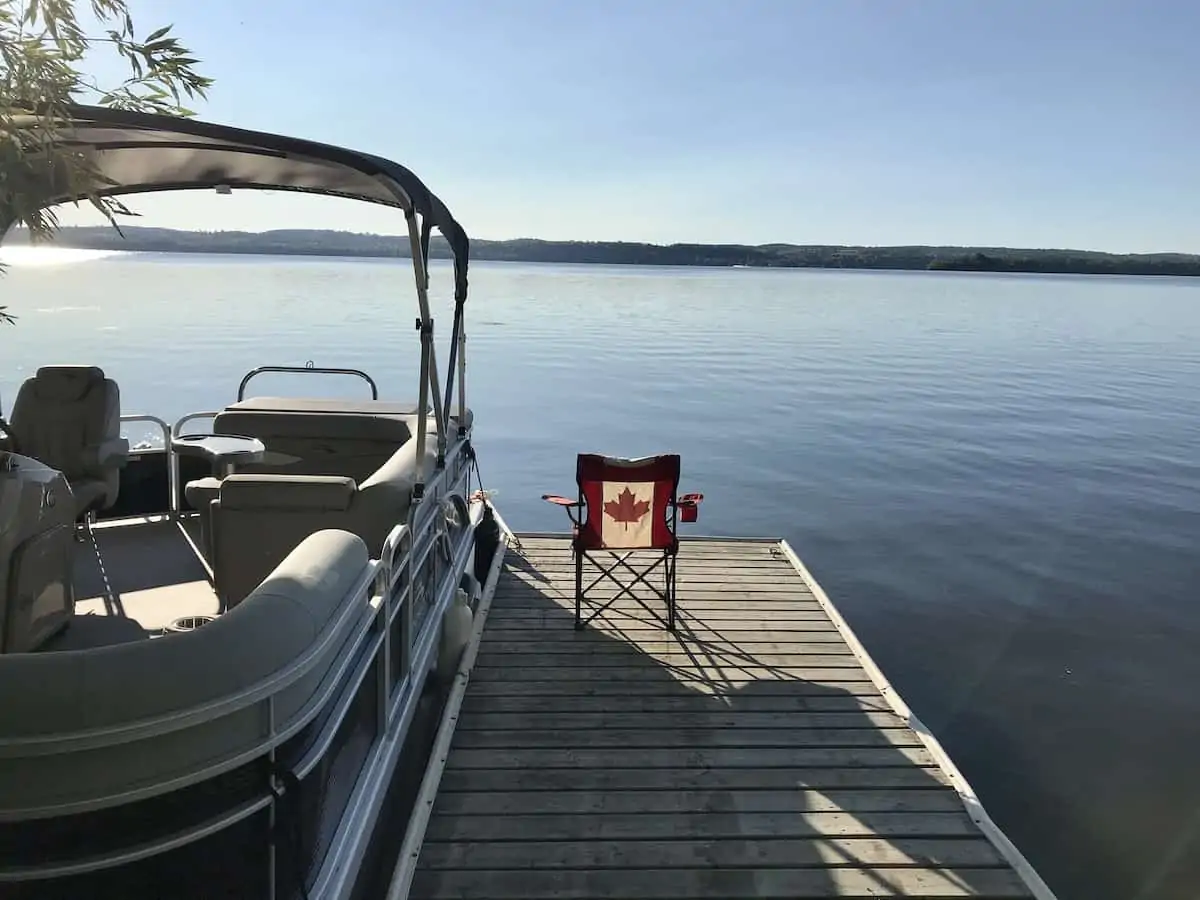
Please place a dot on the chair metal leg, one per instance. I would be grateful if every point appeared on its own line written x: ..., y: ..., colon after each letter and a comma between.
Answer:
x: 578, y: 590
x: 642, y: 577
x: 670, y: 592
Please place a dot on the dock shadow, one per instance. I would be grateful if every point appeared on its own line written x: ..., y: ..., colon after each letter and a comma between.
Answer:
x: 625, y: 761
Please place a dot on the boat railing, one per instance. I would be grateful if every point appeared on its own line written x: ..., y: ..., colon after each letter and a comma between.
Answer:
x: 172, y: 469
x: 177, y: 428
x: 173, y: 475
x: 308, y: 368
x: 418, y: 651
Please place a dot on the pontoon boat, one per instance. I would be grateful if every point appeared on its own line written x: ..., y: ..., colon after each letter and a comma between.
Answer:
x: 212, y: 653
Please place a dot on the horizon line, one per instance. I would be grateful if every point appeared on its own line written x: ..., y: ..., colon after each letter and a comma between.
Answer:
x: 375, y: 234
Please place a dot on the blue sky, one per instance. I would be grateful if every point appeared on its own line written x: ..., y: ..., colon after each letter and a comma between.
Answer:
x: 843, y: 121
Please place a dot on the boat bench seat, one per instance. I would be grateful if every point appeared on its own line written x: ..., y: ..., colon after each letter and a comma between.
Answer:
x: 322, y: 437
x: 295, y: 611
x: 256, y: 520
x: 317, y: 443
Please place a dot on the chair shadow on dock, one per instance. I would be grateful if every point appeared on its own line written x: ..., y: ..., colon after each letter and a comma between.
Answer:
x: 746, y: 755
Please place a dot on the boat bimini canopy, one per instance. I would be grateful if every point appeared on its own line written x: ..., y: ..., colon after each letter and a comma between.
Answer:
x: 134, y: 152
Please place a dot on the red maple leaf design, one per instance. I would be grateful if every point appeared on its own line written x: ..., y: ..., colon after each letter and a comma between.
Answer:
x: 626, y: 509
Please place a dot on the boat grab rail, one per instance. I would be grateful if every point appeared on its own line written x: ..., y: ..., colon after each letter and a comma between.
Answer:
x: 308, y: 367
x: 173, y: 457
x: 172, y: 471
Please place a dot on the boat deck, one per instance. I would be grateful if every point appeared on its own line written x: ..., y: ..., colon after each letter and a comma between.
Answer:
x: 757, y: 752
x: 132, y: 578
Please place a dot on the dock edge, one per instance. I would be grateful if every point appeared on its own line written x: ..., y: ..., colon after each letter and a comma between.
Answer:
x: 970, y: 800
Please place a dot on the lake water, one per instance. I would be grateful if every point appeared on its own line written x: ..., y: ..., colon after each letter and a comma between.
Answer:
x: 997, y: 478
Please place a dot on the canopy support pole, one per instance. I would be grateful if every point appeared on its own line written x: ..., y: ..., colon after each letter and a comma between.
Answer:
x: 458, y: 349
x: 462, y: 369
x: 430, y: 383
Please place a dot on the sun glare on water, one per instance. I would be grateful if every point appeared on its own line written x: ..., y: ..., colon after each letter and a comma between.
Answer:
x: 49, y: 256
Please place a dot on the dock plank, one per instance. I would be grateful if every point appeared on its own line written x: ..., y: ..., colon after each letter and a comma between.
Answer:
x: 747, y: 754
x: 635, y: 705
x: 711, y: 883
x: 691, y: 853
x: 691, y: 802
x: 900, y: 779
x: 573, y: 720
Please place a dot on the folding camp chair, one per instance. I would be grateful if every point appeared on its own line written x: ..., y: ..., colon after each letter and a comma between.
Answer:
x: 624, y: 506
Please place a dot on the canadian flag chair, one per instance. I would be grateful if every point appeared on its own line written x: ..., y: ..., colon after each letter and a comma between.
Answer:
x: 627, y: 505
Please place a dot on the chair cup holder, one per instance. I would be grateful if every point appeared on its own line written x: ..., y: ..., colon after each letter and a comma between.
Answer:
x: 689, y: 507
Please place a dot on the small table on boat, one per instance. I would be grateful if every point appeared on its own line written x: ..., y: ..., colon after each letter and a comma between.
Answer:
x: 224, y: 450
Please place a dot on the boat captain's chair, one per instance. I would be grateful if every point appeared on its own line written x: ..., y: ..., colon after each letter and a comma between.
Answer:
x: 624, y: 527
x: 69, y: 418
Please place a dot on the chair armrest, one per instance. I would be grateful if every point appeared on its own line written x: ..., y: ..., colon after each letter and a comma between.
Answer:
x: 106, y: 454
x: 574, y: 508
x: 287, y: 492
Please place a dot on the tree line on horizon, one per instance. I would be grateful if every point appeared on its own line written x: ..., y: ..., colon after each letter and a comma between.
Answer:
x: 341, y: 243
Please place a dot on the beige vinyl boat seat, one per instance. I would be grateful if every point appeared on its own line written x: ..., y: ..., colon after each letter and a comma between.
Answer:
x: 69, y: 418
x: 256, y: 520
x: 37, y: 528
x: 353, y: 440
x: 301, y: 608
x: 320, y: 437
x: 317, y: 436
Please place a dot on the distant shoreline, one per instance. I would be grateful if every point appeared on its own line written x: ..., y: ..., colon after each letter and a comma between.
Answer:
x: 301, y: 242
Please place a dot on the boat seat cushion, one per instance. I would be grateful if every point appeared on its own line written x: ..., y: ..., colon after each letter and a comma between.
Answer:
x: 324, y: 410
x: 201, y: 492
x: 334, y: 426
x: 308, y: 436
x: 258, y: 519
x: 287, y: 492
x: 317, y: 443
x: 69, y: 417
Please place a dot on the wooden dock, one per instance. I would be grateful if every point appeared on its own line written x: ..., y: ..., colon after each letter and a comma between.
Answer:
x: 756, y: 752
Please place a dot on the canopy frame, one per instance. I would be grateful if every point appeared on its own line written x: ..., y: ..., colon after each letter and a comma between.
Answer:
x: 139, y: 153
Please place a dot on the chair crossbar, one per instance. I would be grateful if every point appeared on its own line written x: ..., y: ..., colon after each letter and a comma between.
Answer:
x: 666, y: 594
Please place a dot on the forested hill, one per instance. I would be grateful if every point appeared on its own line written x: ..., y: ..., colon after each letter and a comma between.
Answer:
x: 342, y: 243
